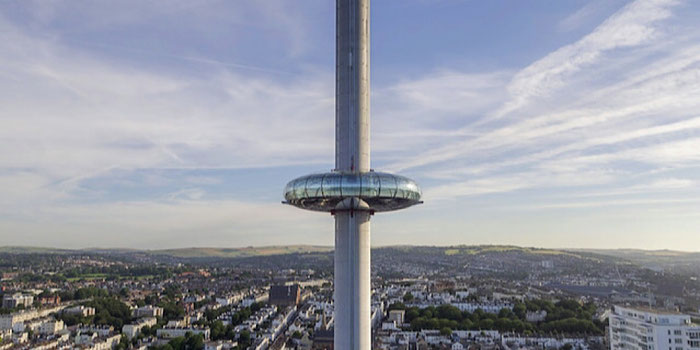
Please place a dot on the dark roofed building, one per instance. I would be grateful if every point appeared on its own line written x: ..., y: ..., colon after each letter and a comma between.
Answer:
x: 323, y: 340
x: 285, y: 295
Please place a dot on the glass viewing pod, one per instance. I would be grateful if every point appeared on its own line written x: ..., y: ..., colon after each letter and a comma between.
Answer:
x: 380, y: 191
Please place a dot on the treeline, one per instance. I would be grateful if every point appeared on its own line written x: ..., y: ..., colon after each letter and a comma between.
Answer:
x: 566, y: 316
x: 83, y: 293
x: 109, y: 273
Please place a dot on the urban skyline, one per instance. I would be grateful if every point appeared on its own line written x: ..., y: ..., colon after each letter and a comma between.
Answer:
x: 556, y: 125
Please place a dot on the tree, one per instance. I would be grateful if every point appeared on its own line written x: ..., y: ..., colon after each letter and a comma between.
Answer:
x: 520, y: 310
x: 171, y: 310
x: 449, y: 312
x: 110, y: 311
x: 218, y: 330
x: 90, y: 292
x: 397, y: 306
x: 194, y: 342
x: 256, y: 306
x: 244, y: 339
x: 486, y: 324
x: 408, y: 297
x: 445, y: 331
x: 177, y: 343
x: 123, y: 343
x: 411, y: 314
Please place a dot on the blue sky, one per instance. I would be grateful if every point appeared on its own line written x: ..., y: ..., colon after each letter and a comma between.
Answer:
x: 545, y: 123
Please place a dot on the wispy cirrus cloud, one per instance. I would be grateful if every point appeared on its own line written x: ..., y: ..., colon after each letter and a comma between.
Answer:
x: 618, y: 103
x: 635, y: 24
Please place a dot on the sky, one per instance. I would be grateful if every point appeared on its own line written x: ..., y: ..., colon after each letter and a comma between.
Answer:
x: 145, y: 124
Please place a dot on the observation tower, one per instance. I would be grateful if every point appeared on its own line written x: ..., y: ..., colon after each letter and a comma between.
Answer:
x: 352, y: 192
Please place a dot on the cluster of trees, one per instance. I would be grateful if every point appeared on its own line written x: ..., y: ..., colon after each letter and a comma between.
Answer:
x: 83, y: 293
x: 108, y: 311
x: 171, y: 309
x: 188, y: 342
x: 566, y: 316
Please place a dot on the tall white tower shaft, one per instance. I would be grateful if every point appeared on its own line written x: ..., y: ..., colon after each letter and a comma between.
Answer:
x: 352, y: 192
x: 352, y: 290
x: 352, y: 86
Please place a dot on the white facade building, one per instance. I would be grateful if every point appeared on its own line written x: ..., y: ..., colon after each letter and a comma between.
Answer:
x: 50, y: 327
x: 149, y: 311
x: 84, y: 311
x: 13, y: 300
x: 397, y: 316
x: 169, y: 333
x: 133, y: 329
x: 9, y: 320
x: 647, y: 329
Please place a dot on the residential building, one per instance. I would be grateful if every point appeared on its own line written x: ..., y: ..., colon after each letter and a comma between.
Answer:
x: 169, y: 333
x: 397, y: 316
x: 84, y: 311
x: 149, y: 311
x: 51, y: 326
x: 133, y: 329
x: 10, y: 301
x: 649, y: 329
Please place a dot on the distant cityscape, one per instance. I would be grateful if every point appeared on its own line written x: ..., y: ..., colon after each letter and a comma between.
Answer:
x: 462, y: 297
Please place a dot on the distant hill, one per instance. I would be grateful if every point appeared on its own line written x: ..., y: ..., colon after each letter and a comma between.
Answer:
x: 648, y: 258
x: 653, y: 258
x: 240, y: 252
x: 33, y: 250
x: 180, y: 252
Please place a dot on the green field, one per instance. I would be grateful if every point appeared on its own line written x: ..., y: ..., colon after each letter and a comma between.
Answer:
x: 87, y: 276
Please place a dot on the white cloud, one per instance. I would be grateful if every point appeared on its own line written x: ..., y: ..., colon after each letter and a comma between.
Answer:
x: 672, y: 183
x: 633, y: 25
x: 69, y: 113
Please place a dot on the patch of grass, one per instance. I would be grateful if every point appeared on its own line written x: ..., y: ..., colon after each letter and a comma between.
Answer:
x: 87, y: 276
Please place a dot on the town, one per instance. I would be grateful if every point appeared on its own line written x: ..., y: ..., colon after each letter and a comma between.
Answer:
x: 464, y: 297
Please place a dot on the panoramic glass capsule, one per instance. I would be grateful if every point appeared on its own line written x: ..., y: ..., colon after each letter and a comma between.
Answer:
x: 380, y: 191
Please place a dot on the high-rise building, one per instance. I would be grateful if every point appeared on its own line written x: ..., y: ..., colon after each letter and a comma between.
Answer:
x: 648, y: 329
x: 352, y: 192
